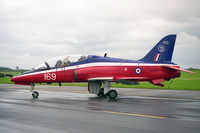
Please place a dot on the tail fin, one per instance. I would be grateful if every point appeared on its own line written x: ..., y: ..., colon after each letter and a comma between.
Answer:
x: 162, y: 51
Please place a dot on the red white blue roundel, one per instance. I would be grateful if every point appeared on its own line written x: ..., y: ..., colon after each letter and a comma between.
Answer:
x: 138, y: 70
x: 161, y: 48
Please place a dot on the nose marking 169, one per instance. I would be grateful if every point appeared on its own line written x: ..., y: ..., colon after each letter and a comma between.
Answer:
x: 49, y: 76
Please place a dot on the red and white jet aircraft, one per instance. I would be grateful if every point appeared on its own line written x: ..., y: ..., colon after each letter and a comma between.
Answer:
x: 155, y: 67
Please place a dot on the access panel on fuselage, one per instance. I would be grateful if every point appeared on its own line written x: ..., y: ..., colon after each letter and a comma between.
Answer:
x: 60, y: 74
x: 124, y: 71
x: 69, y: 74
x: 155, y: 72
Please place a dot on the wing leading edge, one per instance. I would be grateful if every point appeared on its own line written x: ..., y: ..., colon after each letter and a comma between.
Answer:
x: 118, y: 78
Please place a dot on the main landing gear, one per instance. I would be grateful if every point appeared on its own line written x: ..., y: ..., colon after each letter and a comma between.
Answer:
x: 35, y: 94
x: 112, y: 94
x: 101, y: 93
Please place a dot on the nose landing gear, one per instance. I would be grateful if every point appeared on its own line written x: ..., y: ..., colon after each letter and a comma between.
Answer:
x: 35, y: 94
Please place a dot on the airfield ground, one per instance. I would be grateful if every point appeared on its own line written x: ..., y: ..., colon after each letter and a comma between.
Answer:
x: 71, y: 109
x: 187, y: 81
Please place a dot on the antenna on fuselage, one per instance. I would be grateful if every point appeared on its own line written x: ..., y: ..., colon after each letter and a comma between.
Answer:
x: 105, y: 54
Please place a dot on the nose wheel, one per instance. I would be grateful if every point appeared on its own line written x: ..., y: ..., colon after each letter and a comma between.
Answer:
x: 35, y: 94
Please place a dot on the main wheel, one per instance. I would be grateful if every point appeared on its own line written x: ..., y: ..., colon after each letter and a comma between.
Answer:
x: 35, y: 94
x: 112, y: 94
x: 101, y: 92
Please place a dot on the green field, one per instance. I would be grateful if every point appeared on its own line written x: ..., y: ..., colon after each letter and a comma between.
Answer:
x: 187, y: 81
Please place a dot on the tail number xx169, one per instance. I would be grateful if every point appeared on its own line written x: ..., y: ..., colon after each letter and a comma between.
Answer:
x: 49, y: 76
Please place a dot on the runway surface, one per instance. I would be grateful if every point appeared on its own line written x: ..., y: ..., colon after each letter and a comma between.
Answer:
x: 73, y: 110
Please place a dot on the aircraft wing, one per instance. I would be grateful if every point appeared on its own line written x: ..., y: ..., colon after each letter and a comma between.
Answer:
x: 132, y: 78
x: 176, y: 68
x: 118, y: 78
x: 100, y: 78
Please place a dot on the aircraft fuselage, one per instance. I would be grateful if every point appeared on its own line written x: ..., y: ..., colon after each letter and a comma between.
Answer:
x: 109, y: 71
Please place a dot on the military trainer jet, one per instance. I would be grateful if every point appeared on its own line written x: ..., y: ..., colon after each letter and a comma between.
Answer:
x: 99, y: 71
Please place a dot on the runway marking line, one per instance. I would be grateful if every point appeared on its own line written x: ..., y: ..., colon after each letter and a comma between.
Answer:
x: 196, y: 98
x: 130, y: 114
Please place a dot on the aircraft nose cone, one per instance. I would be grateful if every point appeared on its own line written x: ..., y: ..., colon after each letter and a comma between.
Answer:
x: 20, y: 80
x: 13, y: 79
x: 16, y: 79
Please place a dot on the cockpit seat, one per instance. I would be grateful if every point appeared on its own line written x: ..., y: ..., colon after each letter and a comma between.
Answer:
x: 58, y: 63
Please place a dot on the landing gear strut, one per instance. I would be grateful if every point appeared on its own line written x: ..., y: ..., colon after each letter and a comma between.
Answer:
x: 101, y: 92
x: 111, y: 93
x: 35, y: 94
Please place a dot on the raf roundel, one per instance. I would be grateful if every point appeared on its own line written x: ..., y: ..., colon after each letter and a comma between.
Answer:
x: 138, y: 70
x: 161, y: 48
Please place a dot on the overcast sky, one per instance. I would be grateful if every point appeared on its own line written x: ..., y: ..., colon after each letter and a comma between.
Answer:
x: 32, y: 31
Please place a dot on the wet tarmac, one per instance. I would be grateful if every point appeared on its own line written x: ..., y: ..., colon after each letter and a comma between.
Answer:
x: 73, y: 110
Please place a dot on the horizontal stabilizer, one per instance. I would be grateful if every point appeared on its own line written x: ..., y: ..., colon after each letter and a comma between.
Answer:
x: 176, y: 68
x: 157, y: 82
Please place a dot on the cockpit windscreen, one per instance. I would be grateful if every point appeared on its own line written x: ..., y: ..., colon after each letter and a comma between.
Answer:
x: 61, y: 61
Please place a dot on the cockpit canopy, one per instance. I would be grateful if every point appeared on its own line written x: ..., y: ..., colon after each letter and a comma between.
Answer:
x: 61, y: 61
